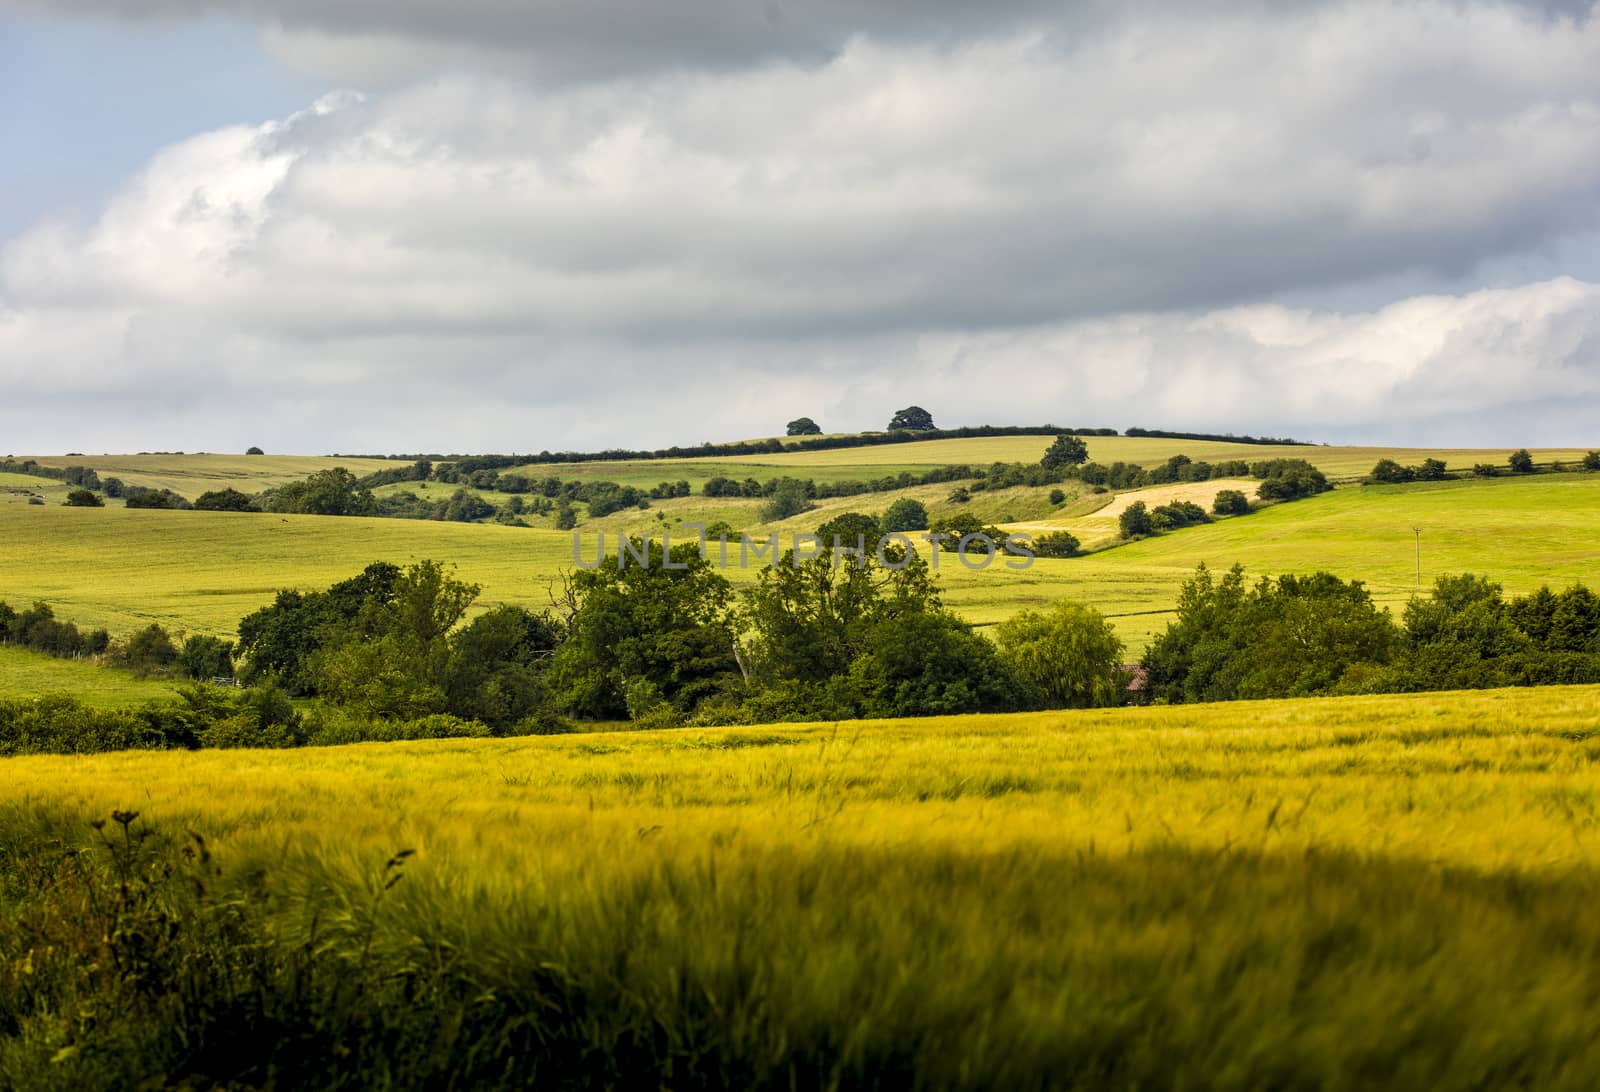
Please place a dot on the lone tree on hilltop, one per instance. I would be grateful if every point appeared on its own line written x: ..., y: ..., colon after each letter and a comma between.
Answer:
x: 254, y: 451
x: 804, y: 426
x: 912, y: 418
x: 1065, y: 451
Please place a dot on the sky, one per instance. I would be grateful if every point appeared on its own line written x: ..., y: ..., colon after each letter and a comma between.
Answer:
x: 523, y: 225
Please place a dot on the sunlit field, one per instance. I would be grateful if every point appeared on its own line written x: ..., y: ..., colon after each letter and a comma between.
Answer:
x: 1323, y: 893
x: 202, y: 571
x: 1336, y: 462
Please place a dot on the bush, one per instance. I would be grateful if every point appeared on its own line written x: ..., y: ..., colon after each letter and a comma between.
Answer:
x: 1521, y: 462
x: 1175, y: 514
x: 1057, y: 496
x: 434, y: 726
x: 465, y: 507
x: 1056, y: 544
x: 1065, y: 451
x: 225, y: 500
x: 1288, y: 479
x: 150, y: 650
x: 1591, y: 461
x: 1431, y: 470
x: 1389, y: 472
x: 1135, y: 521
x: 927, y: 664
x: 904, y: 515
x: 789, y: 498
x: 1230, y: 502
x: 542, y: 723
x: 206, y: 658
x: 150, y: 498
x: 1485, y: 470
x: 956, y: 527
x: 1066, y: 658
x: 83, y: 498
x: 850, y: 530
x: 61, y: 724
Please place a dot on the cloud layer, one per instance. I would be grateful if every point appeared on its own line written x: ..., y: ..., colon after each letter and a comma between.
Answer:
x: 1084, y: 223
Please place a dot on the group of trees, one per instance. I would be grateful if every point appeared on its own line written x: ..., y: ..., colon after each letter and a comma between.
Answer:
x: 1138, y: 520
x: 37, y: 628
x: 1301, y: 635
x: 387, y: 644
x: 150, y: 651
x: 1390, y: 472
x: 664, y: 643
x: 906, y: 426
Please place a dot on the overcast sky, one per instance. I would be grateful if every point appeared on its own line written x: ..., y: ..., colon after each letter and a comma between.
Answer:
x: 495, y: 225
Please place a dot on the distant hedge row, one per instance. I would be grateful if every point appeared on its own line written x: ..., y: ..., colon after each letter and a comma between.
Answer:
x: 469, y: 463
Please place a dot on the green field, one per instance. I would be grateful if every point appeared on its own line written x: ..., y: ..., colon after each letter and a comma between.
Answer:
x: 1336, y: 462
x: 202, y: 571
x: 1340, y: 893
x: 1326, y: 893
x: 191, y: 475
x: 27, y: 674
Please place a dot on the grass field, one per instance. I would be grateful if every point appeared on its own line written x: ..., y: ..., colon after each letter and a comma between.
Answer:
x: 191, y: 475
x: 1344, y: 893
x: 202, y: 571
x: 1336, y: 462
x: 26, y: 674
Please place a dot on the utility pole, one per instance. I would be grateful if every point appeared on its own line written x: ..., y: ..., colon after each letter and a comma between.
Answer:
x: 1418, y: 531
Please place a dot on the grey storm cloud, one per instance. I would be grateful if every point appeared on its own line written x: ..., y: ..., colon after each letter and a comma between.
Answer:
x: 1084, y: 220
x: 588, y: 39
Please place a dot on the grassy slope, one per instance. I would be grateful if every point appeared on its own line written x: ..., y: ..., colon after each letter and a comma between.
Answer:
x: 202, y: 571
x: 1371, y: 892
x: 28, y: 674
x: 191, y: 475
x: 1343, y: 462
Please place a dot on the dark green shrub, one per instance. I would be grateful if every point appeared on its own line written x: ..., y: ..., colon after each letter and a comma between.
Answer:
x: 1230, y: 502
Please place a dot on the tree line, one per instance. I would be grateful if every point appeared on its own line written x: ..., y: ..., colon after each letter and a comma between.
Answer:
x: 903, y: 429
x: 1392, y: 472
x: 150, y: 652
x: 392, y: 655
x: 1294, y: 636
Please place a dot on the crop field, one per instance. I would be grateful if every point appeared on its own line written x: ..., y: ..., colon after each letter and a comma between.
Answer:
x: 200, y: 572
x: 1336, y: 462
x: 191, y: 475
x: 1324, y: 893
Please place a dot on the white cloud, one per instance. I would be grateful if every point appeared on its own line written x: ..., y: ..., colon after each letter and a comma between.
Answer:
x: 1077, y: 226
